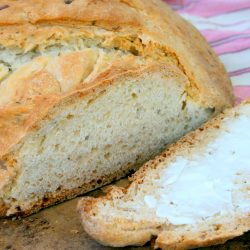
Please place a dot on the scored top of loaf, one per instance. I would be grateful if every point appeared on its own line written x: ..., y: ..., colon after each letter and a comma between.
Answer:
x: 147, y: 28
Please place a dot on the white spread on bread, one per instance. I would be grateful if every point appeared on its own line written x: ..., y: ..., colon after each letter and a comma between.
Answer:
x: 204, y: 185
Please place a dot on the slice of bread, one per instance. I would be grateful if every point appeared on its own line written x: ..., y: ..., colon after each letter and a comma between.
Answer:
x: 89, y: 90
x: 195, y: 194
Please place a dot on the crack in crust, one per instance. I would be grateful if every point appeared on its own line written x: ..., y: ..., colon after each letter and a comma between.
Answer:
x: 143, y: 21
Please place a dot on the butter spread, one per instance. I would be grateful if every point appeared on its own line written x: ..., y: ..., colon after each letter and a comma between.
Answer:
x: 215, y: 181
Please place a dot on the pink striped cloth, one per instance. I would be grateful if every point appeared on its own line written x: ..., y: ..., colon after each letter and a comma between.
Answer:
x: 226, y: 25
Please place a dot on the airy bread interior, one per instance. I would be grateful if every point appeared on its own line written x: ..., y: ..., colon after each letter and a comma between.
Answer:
x: 195, y: 194
x: 100, y: 137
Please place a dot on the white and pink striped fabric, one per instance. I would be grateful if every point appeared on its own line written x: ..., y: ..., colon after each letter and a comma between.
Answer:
x: 226, y: 25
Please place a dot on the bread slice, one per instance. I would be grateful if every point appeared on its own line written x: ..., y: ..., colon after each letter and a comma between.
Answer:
x: 195, y: 194
x: 89, y: 90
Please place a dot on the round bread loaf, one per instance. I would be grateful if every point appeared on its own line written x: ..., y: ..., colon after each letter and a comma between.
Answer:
x: 90, y: 90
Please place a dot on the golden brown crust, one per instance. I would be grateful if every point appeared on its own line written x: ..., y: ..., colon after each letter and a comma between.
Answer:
x: 31, y: 11
x: 135, y: 26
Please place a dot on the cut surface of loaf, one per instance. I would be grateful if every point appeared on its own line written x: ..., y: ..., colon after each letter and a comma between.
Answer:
x: 195, y: 194
x: 86, y: 95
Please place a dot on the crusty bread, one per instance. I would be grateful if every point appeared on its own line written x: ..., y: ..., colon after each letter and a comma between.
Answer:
x: 91, y: 89
x: 194, y: 194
